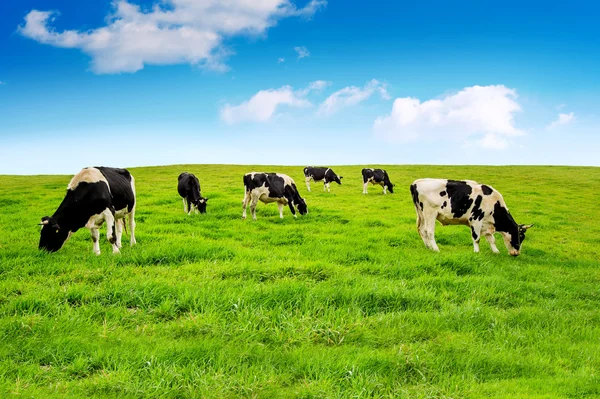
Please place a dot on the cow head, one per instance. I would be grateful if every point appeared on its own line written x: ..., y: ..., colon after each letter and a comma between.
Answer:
x: 52, y: 236
x: 301, y: 206
x: 389, y: 186
x: 514, y: 238
x: 201, y: 204
x: 338, y: 179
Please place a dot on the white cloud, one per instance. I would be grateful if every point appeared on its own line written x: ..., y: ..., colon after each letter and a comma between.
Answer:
x: 171, y: 32
x: 262, y: 106
x: 302, y: 52
x: 351, y: 95
x: 561, y: 106
x: 2, y: 83
x: 482, y: 113
x: 563, y: 119
x: 280, y: 60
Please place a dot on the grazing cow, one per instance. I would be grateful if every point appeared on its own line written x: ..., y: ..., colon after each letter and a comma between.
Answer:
x: 272, y: 187
x: 376, y: 176
x: 188, y: 188
x: 469, y: 203
x: 318, y: 174
x: 94, y: 195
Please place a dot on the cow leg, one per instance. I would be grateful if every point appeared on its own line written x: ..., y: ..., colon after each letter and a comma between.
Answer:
x: 290, y: 202
x: 185, y: 205
x: 365, y: 188
x: 111, y: 234
x: 492, y: 240
x: 245, y: 202
x: 429, y: 230
x: 96, y: 239
x: 131, y: 219
x: 253, y: 206
x: 119, y: 229
x: 476, y: 236
x: 307, y: 183
x: 280, y: 206
x: 326, y: 186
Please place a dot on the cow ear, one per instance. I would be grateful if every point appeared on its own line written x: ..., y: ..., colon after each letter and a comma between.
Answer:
x: 341, y: 177
x: 205, y: 199
x: 526, y: 226
x: 45, y: 220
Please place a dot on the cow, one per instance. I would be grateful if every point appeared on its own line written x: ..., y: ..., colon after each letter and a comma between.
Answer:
x: 318, y: 174
x: 94, y: 195
x: 377, y: 176
x: 272, y: 187
x: 478, y: 206
x: 188, y: 188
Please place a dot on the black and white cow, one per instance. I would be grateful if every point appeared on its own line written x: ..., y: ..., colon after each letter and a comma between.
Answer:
x: 94, y: 195
x: 469, y: 203
x: 272, y: 187
x: 188, y: 188
x: 377, y: 176
x: 318, y: 174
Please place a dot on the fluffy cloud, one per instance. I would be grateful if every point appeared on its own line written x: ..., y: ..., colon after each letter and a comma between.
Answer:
x: 351, y: 95
x: 262, y: 106
x: 302, y: 52
x: 171, y: 32
x: 482, y: 113
x: 280, y: 60
x: 563, y: 119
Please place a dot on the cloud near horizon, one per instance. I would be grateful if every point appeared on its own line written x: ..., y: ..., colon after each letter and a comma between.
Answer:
x: 483, y: 115
x: 173, y: 32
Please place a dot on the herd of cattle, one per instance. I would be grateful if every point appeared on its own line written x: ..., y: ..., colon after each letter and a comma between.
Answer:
x: 99, y: 194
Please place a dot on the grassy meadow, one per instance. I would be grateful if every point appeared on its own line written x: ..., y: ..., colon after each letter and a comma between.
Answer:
x: 345, y: 302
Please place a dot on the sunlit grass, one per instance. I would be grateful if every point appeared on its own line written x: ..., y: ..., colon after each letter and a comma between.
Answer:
x: 343, y: 302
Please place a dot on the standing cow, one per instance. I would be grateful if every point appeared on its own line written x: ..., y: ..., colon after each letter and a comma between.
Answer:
x: 94, y: 195
x: 272, y: 187
x: 318, y: 174
x: 469, y: 203
x: 377, y: 176
x: 188, y: 188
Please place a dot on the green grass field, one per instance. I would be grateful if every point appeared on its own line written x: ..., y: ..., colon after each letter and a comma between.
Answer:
x: 345, y: 302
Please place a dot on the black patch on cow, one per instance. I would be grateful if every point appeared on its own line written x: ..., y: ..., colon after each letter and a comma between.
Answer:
x: 459, y: 194
x: 487, y: 190
x: 504, y: 222
x: 322, y: 173
x: 477, y: 213
x: 444, y: 204
x: 119, y: 181
x: 474, y: 234
x: 442, y: 193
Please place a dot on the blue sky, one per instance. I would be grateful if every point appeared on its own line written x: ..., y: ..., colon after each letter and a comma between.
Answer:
x: 131, y: 83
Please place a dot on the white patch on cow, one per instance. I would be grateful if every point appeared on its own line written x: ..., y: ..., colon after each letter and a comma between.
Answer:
x: 87, y: 175
x: 307, y: 180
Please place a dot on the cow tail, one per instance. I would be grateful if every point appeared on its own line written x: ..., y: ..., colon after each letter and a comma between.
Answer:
x: 415, y: 197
